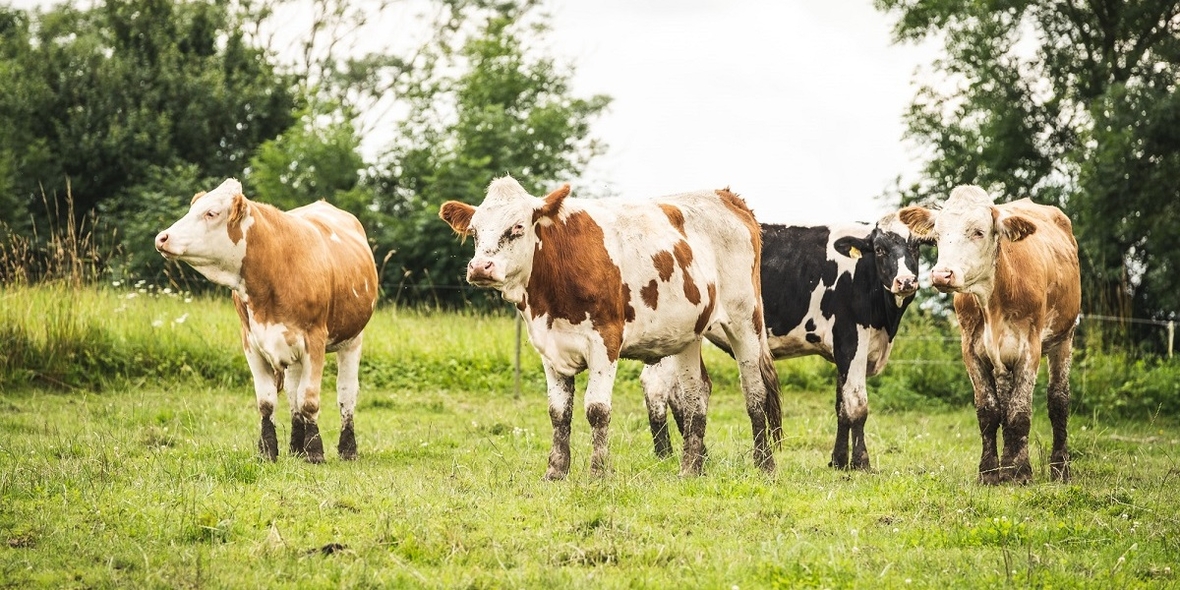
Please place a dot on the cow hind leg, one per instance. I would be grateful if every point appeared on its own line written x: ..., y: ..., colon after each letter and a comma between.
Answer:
x: 309, y: 392
x: 658, y: 381
x: 561, y: 411
x: 760, y: 386
x: 694, y: 403
x: 1060, y: 359
x: 348, y: 362
x: 291, y: 381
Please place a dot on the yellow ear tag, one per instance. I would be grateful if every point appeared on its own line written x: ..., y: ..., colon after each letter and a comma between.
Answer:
x: 853, y: 252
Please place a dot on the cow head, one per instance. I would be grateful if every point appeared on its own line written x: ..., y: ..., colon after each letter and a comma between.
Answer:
x: 504, y: 228
x: 211, y: 236
x: 895, y: 253
x: 968, y: 230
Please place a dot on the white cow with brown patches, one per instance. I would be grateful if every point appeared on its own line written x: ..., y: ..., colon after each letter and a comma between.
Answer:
x: 598, y: 280
x: 1014, y: 271
x: 304, y: 283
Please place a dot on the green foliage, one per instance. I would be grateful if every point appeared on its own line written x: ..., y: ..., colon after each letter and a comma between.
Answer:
x: 317, y: 158
x: 1070, y: 104
x: 925, y: 366
x: 506, y: 112
x: 103, y: 96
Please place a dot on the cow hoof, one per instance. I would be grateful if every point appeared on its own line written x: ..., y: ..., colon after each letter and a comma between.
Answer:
x: 266, y: 454
x: 554, y: 475
x: 347, y: 445
x: 313, y: 445
x: 268, y: 444
x: 1059, y: 472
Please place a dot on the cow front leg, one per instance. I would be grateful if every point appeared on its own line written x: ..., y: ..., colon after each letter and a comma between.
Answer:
x: 840, y: 449
x: 1060, y: 359
x: 658, y: 381
x: 309, y: 393
x: 1017, y: 415
x: 561, y: 413
x: 599, y: 386
x: 266, y: 381
x: 348, y: 363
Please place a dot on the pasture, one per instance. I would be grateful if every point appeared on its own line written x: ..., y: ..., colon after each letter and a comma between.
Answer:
x: 143, y: 473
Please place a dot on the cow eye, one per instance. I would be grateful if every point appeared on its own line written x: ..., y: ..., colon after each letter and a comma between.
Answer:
x: 211, y: 215
x: 976, y: 234
x: 518, y: 229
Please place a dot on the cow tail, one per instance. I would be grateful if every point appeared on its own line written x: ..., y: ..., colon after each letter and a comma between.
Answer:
x: 773, y: 405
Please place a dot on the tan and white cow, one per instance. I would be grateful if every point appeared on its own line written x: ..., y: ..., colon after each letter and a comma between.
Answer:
x: 1014, y: 271
x: 304, y: 283
x: 603, y: 279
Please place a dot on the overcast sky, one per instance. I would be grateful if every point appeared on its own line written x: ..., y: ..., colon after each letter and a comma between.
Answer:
x: 794, y: 104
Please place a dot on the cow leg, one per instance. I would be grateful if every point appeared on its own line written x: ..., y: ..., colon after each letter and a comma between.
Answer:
x: 758, y: 375
x: 987, y: 412
x: 1017, y: 414
x: 292, y: 380
x: 599, y: 386
x: 840, y: 450
x: 658, y: 382
x: 309, y: 393
x: 348, y: 363
x: 694, y: 403
x: 851, y: 357
x: 266, y: 393
x: 561, y: 411
x: 1060, y: 359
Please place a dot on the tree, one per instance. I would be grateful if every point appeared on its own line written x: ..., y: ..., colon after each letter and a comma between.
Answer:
x: 1069, y: 103
x: 507, y: 112
x: 114, y: 98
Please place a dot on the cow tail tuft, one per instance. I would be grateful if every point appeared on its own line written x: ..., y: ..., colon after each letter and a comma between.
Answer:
x: 773, y: 405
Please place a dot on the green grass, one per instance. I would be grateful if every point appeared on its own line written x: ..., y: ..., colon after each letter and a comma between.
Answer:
x: 152, y: 481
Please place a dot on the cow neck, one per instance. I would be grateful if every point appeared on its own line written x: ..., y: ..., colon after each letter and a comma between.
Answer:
x: 269, y: 239
x: 893, y: 308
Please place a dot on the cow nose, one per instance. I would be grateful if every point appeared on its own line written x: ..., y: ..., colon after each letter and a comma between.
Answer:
x: 161, y: 240
x: 942, y: 277
x: 904, y: 284
x: 480, y: 270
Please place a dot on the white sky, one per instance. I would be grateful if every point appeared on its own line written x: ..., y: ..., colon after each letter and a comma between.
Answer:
x: 794, y: 104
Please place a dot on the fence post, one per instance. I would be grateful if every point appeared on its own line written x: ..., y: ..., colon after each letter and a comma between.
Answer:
x: 518, y: 328
x: 1171, y: 335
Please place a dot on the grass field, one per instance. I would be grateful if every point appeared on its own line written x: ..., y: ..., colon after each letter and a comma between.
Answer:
x: 150, y: 478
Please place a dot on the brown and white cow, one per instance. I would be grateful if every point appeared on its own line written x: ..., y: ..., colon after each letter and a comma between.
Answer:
x: 304, y: 283
x: 603, y: 279
x: 1014, y: 271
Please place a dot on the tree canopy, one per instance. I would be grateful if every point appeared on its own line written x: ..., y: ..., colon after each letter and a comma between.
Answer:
x: 129, y: 107
x: 1070, y: 103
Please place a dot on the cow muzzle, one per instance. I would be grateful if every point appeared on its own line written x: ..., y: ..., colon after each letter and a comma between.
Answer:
x: 483, y: 273
x: 944, y: 280
x: 904, y: 285
x: 163, y: 246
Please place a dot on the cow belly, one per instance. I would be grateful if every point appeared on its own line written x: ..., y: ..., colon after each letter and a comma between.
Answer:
x: 796, y: 344
x: 280, y: 346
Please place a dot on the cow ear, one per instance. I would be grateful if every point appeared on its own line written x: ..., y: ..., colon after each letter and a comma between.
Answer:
x: 458, y: 216
x: 852, y: 247
x: 553, y: 201
x: 196, y: 196
x: 1016, y: 227
x: 237, y: 209
x: 921, y: 223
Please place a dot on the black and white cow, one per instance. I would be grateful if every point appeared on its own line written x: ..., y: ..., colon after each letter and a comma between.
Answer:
x: 835, y: 291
